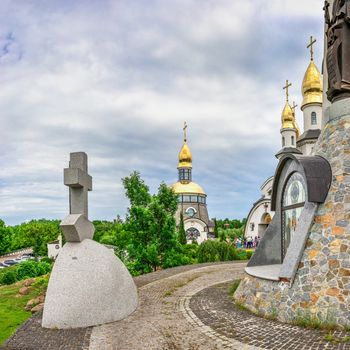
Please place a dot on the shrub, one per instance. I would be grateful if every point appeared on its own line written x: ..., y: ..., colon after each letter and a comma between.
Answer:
x: 47, y: 260
x: 27, y: 269
x: 43, y: 268
x: 9, y: 277
x: 211, y: 251
x: 249, y: 254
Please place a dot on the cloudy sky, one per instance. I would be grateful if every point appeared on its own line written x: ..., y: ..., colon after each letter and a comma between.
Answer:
x: 117, y: 79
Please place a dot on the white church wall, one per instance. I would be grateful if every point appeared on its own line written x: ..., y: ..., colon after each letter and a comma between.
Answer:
x: 200, y: 226
x: 288, y: 134
x: 255, y: 223
x: 307, y: 111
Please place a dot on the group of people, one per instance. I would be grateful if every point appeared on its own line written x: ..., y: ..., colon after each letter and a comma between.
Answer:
x: 247, y: 243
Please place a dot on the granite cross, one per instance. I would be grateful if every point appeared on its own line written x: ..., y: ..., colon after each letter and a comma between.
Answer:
x: 78, y: 180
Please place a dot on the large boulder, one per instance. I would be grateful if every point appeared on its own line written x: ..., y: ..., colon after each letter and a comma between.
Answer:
x: 88, y: 286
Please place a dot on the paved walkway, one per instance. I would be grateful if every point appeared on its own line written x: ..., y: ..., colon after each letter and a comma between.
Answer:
x: 185, y: 308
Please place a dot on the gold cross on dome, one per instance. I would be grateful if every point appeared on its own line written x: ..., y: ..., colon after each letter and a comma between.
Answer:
x: 184, y: 129
x: 286, y: 87
x: 312, y: 41
x: 294, y: 106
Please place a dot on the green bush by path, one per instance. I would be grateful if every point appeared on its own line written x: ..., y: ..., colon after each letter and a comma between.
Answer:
x: 211, y: 251
x: 26, y: 269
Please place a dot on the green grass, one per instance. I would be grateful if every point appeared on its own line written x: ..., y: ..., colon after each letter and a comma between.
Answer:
x: 233, y: 287
x: 12, y: 313
x: 307, y: 320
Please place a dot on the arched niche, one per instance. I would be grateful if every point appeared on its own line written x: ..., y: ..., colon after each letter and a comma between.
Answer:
x: 301, y: 183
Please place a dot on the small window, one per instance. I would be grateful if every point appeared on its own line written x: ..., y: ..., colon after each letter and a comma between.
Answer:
x: 292, y: 140
x: 186, y: 198
x: 283, y: 142
x: 313, y: 118
x: 194, y: 199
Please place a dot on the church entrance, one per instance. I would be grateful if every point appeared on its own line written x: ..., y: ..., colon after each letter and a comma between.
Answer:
x: 192, y: 234
x: 264, y: 224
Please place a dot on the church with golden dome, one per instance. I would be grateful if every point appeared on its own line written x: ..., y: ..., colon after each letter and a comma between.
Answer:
x: 191, y: 198
x: 292, y: 140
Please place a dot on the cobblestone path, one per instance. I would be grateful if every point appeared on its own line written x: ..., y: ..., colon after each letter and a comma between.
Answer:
x: 160, y: 322
x: 212, y: 311
x: 31, y: 336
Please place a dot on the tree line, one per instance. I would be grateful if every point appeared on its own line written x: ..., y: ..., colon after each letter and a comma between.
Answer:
x: 146, y: 240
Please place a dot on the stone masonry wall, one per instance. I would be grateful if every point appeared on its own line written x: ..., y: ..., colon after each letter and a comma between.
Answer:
x: 322, y: 283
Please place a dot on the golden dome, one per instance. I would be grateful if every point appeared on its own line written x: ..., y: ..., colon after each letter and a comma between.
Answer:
x: 312, y: 85
x: 288, y: 121
x: 191, y: 188
x: 185, y: 157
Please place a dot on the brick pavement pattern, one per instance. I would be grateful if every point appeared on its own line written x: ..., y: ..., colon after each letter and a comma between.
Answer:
x: 159, y: 322
x: 213, y: 310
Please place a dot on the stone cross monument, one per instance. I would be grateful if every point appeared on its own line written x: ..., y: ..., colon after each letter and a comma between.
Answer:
x: 89, y: 285
x: 78, y: 180
x: 76, y: 226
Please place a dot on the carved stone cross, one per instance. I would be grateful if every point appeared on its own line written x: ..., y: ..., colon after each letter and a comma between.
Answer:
x: 78, y: 180
x: 76, y: 226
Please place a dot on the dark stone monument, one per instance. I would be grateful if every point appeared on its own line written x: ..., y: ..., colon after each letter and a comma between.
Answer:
x: 338, y: 49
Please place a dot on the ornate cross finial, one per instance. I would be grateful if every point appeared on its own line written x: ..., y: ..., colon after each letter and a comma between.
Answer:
x: 294, y: 106
x: 184, y: 129
x: 312, y: 41
x: 286, y: 87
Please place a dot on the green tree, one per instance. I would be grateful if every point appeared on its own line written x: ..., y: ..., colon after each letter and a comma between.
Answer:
x: 5, y: 238
x: 182, y: 232
x: 150, y: 224
x: 216, y: 229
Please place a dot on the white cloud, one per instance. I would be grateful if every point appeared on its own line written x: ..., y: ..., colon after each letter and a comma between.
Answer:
x: 117, y: 80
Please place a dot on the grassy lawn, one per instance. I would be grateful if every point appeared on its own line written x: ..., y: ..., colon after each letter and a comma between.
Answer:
x: 12, y: 313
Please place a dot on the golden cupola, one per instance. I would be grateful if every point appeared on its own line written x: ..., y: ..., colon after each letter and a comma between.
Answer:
x: 312, y: 88
x: 288, y: 113
x: 185, y: 156
x: 287, y: 117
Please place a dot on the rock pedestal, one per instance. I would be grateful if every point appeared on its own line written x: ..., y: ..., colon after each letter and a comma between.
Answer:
x: 321, y: 287
x: 89, y: 285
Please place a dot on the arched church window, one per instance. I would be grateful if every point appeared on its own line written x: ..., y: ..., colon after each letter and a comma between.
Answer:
x: 283, y: 141
x: 192, y: 234
x: 292, y: 140
x: 293, y: 200
x: 313, y: 118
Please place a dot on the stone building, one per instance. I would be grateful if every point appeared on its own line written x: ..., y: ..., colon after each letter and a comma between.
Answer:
x: 260, y: 215
x: 291, y: 140
x: 301, y: 267
x: 54, y: 247
x: 192, y: 199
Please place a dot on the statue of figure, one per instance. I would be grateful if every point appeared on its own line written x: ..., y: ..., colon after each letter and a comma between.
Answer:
x: 338, y: 49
